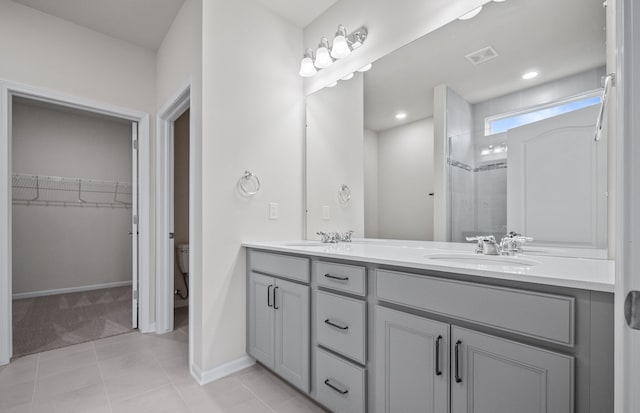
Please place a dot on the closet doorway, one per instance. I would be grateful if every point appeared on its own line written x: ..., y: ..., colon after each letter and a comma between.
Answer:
x: 75, y: 219
x: 74, y: 235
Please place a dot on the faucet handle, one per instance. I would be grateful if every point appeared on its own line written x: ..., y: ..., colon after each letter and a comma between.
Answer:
x: 482, y: 240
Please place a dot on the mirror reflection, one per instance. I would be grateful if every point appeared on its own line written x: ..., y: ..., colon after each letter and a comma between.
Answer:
x: 484, y: 126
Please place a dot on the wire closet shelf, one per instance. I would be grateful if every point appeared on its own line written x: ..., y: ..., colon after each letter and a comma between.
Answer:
x: 70, y: 192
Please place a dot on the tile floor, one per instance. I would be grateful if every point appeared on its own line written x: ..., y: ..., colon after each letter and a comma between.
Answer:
x: 137, y: 373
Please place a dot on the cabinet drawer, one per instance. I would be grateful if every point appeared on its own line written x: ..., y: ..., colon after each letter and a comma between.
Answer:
x: 542, y: 316
x: 340, y: 325
x: 295, y: 268
x: 339, y: 385
x: 349, y: 278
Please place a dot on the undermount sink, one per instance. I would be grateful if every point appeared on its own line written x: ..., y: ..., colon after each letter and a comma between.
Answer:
x: 477, y: 259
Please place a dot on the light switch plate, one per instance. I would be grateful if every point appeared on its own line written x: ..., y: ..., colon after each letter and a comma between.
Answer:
x: 274, y: 210
x: 326, y: 213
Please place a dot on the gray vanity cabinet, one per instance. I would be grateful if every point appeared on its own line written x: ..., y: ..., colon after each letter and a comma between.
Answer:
x: 412, y: 362
x: 279, y: 327
x: 493, y: 375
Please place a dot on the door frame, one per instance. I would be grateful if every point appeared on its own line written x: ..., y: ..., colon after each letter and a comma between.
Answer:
x: 167, y: 115
x: 8, y: 90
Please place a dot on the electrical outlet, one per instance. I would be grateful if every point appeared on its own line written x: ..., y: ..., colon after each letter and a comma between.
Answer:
x: 326, y: 213
x: 274, y: 210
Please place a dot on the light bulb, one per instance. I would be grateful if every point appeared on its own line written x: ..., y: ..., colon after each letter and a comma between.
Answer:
x: 307, y: 69
x: 323, y: 59
x: 340, y: 48
x: 530, y: 75
x: 473, y: 13
x: 365, y: 68
x: 347, y: 77
x: 401, y: 115
x: 332, y: 84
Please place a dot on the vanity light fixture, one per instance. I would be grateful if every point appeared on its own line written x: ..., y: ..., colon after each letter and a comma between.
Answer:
x: 473, y: 13
x: 530, y: 75
x: 307, y: 69
x: 343, y: 45
x: 365, y: 68
x: 401, y: 115
x: 340, y: 48
x: 323, y: 58
x: 499, y: 1
x: 347, y: 77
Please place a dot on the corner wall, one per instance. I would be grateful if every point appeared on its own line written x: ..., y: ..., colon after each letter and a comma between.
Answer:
x: 253, y: 100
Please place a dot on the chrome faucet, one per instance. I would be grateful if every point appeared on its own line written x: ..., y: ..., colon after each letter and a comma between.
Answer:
x: 512, y: 243
x: 509, y: 245
x: 487, y: 245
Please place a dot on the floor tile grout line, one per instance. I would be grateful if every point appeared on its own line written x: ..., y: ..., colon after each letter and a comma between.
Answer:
x: 35, y: 379
x: 255, y: 395
x: 135, y: 396
x: 104, y: 386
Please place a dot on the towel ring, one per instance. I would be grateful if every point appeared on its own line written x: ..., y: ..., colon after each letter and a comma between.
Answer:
x: 344, y: 194
x: 249, y: 184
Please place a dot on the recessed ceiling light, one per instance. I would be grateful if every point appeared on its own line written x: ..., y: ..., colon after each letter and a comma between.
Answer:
x: 347, y: 77
x: 473, y: 13
x: 401, y: 115
x: 530, y: 75
x: 365, y: 68
x: 332, y: 84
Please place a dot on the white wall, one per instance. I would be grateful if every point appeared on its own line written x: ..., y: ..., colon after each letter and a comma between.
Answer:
x: 371, y: 224
x: 179, y: 62
x: 180, y: 198
x: 391, y: 24
x: 45, y: 51
x: 253, y: 100
x: 405, y: 179
x: 57, y: 247
x: 335, y: 145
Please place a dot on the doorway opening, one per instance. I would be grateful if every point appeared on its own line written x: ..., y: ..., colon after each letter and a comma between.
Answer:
x: 74, y: 249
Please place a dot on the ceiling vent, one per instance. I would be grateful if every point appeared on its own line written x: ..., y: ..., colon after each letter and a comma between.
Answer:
x: 482, y: 55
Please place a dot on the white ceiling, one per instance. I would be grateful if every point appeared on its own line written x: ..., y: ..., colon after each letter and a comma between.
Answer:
x: 299, y: 12
x: 146, y: 22
x: 556, y: 37
x: 141, y: 22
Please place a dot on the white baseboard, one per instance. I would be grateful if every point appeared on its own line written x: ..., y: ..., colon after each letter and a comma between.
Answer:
x: 224, y: 370
x: 33, y: 294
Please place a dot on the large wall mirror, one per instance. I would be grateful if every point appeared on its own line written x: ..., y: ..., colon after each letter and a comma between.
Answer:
x: 511, y: 95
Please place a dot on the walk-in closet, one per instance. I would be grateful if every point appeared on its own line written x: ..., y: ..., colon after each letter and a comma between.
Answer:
x: 72, y: 239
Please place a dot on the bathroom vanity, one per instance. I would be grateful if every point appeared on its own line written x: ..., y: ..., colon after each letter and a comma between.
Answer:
x: 395, y: 326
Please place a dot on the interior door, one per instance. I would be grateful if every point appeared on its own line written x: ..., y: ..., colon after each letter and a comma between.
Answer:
x: 556, y: 181
x: 134, y: 223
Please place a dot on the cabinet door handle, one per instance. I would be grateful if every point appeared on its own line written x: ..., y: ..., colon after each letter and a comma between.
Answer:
x: 338, y: 326
x: 274, y: 298
x: 269, y: 295
x: 334, y: 277
x: 339, y: 390
x: 457, y: 357
x: 438, y: 368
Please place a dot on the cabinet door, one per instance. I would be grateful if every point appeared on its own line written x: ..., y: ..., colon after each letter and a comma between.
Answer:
x: 412, y: 363
x: 261, y: 318
x: 493, y: 375
x: 292, y: 359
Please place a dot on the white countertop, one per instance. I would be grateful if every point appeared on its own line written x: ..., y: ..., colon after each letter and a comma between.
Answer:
x: 582, y: 273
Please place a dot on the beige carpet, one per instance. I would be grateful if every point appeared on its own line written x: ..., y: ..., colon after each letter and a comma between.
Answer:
x: 45, y: 323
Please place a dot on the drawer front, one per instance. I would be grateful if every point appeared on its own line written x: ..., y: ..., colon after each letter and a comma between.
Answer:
x: 340, y: 325
x: 294, y: 268
x: 339, y: 385
x: 542, y: 316
x: 349, y: 278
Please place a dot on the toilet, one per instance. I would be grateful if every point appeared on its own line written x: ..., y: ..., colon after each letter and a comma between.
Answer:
x: 182, y: 255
